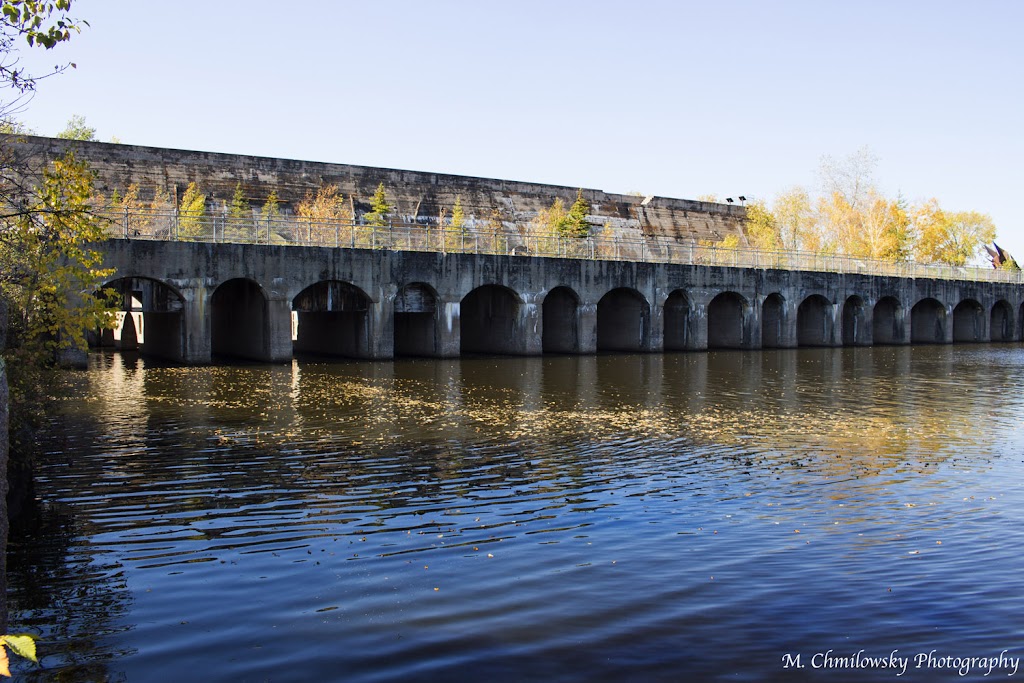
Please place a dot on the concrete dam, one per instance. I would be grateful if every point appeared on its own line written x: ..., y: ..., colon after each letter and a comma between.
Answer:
x: 647, y: 279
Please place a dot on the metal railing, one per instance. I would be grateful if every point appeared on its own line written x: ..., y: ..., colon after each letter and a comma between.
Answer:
x: 483, y: 239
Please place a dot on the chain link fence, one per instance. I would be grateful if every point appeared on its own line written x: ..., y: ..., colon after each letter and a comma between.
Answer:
x: 479, y: 239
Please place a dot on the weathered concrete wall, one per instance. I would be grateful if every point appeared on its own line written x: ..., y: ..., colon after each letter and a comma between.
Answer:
x: 499, y: 303
x: 416, y: 196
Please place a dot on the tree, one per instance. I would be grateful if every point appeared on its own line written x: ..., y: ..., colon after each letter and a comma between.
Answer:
x: 49, y: 276
x: 574, y: 223
x: 547, y: 221
x: 794, y: 218
x: 41, y: 23
x: 458, y: 215
x: 12, y: 126
x: 191, y: 212
x: 851, y: 177
x: 762, y: 228
x: 271, y: 207
x: 270, y: 213
x: 887, y: 229
x: 379, y: 208
x: 127, y: 213
x: 954, y: 238
x: 323, y: 213
x: 454, y: 228
x: 76, y: 129
x: 239, y: 213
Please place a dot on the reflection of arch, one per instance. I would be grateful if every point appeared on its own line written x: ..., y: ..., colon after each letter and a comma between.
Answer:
x: 773, y: 321
x: 332, y: 318
x: 150, y: 318
x: 561, y: 326
x: 488, y: 320
x: 928, y: 322
x: 855, y: 332
x: 238, y: 312
x: 968, y: 321
x: 814, y: 321
x: 1001, y: 321
x: 887, y: 323
x: 726, y: 328
x: 416, y: 320
x: 622, y: 320
x: 677, y: 321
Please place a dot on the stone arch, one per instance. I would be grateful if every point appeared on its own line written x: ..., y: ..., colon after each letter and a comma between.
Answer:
x: 150, y: 318
x: 969, y: 321
x: 239, y: 320
x: 561, y: 321
x: 727, y: 324
x: 677, y: 321
x: 855, y: 328
x: 887, y: 321
x: 814, y: 322
x: 773, y: 321
x: 928, y: 322
x: 1000, y: 323
x: 623, y: 318
x: 415, y: 327
x: 331, y: 318
x: 488, y: 320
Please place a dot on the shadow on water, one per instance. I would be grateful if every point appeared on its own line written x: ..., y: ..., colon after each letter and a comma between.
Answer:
x: 68, y: 595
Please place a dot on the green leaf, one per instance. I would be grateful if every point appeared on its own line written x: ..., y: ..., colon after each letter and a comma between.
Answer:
x: 22, y: 644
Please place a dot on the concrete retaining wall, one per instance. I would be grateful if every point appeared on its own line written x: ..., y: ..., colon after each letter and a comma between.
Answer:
x: 416, y: 196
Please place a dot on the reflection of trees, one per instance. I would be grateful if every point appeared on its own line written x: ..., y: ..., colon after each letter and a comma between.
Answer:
x: 850, y: 411
x: 63, y: 592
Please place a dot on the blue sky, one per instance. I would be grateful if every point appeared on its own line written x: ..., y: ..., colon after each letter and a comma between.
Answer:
x: 670, y: 98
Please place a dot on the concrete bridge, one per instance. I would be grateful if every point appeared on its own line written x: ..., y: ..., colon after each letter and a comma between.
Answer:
x: 191, y: 302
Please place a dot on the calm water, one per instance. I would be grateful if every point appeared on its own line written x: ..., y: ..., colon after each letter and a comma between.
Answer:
x: 678, y: 517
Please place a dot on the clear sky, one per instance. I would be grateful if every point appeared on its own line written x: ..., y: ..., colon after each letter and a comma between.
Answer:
x: 672, y: 98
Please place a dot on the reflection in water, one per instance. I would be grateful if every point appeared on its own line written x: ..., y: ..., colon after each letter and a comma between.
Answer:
x: 593, y: 517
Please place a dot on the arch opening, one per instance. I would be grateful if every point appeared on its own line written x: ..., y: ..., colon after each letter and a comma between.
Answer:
x: 726, y: 322
x: 488, y: 321
x: 331, y: 318
x: 622, y: 321
x: 416, y: 321
x: 928, y: 322
x: 150, y: 319
x: 238, y: 320
x: 561, y: 325
x: 887, y: 321
x: 1001, y: 322
x: 968, y: 322
x: 814, y: 321
x: 773, y: 320
x: 677, y: 321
